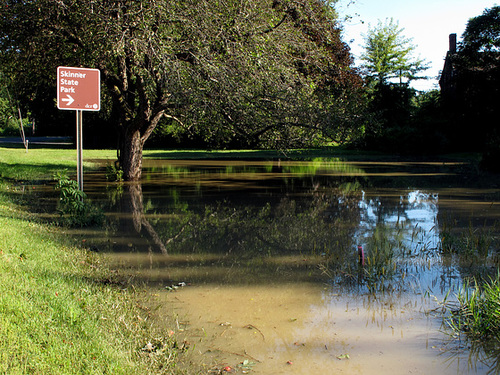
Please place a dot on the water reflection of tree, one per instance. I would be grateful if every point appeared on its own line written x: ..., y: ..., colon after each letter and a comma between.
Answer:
x: 311, y: 225
x: 132, y: 226
x: 324, y: 220
x: 318, y: 224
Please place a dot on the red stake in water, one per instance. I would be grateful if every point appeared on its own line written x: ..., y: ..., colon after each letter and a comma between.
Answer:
x: 361, y: 254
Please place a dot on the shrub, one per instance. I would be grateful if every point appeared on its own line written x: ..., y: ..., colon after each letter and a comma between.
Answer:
x: 74, y: 207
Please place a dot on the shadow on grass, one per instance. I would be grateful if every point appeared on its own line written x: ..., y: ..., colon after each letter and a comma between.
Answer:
x: 35, y: 174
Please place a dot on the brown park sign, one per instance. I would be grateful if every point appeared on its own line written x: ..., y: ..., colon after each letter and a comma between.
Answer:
x: 78, y: 89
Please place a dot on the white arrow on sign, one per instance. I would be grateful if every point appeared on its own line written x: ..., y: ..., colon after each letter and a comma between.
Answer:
x: 68, y: 99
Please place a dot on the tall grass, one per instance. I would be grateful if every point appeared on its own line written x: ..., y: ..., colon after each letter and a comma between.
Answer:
x: 478, y: 310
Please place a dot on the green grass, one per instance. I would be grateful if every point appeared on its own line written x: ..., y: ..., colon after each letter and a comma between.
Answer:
x: 478, y: 311
x: 42, y: 163
x: 296, y: 154
x: 62, y: 310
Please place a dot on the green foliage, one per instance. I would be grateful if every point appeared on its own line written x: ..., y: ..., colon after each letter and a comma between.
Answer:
x: 74, y: 208
x: 394, y: 106
x: 9, y: 117
x: 258, y: 74
x: 478, y: 312
x: 482, y: 33
x: 388, y: 54
x: 406, y: 121
x: 114, y: 173
x: 8, y: 124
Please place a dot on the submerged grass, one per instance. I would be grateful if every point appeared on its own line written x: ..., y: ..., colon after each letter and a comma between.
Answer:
x: 470, y: 242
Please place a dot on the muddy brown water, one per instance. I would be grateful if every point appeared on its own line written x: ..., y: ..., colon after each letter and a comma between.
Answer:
x: 258, y: 263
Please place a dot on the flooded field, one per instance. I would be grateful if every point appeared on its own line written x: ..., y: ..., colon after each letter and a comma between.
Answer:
x: 259, y: 263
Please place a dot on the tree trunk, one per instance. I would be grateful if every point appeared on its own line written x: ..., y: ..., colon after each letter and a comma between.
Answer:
x: 130, y: 157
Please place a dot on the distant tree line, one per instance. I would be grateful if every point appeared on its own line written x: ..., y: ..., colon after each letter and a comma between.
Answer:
x: 471, y: 101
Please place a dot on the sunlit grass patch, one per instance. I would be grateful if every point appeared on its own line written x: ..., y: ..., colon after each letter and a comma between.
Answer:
x: 17, y: 164
x: 62, y: 311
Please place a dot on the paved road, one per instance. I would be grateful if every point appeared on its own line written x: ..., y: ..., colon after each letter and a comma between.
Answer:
x: 39, y: 140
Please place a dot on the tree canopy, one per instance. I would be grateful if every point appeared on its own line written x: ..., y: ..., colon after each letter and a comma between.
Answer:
x: 482, y: 33
x: 473, y: 93
x: 272, y: 73
x: 389, y: 54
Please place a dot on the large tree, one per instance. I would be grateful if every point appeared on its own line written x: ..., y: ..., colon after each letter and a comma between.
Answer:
x: 471, y: 90
x: 389, y: 54
x: 482, y: 33
x: 239, y: 68
x: 389, y: 65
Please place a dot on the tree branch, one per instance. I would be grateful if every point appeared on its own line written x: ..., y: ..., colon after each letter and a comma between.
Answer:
x: 277, y: 25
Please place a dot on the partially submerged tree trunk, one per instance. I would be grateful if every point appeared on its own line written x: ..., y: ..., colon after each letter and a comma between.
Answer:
x: 133, y: 137
x: 130, y: 155
x: 139, y: 112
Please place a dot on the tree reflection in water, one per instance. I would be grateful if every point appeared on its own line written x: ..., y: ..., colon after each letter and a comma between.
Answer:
x: 280, y: 224
x: 132, y: 223
x: 249, y: 215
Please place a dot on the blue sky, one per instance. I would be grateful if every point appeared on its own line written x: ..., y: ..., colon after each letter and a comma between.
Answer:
x: 427, y: 22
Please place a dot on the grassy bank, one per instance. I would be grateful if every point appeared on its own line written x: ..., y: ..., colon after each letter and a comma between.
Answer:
x: 62, y: 310
x: 41, y: 163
